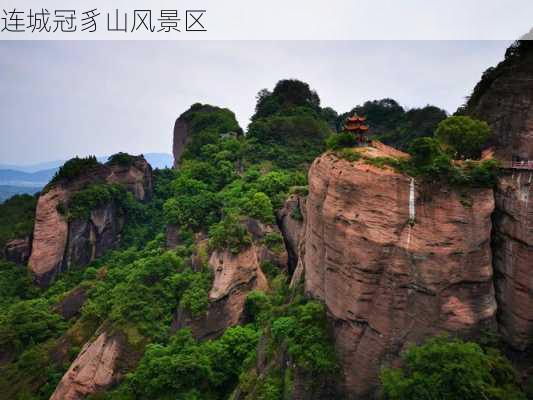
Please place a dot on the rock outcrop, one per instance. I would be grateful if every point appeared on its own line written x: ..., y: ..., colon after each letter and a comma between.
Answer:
x: 50, y: 235
x: 72, y: 303
x: 395, y: 262
x: 504, y: 98
x: 291, y: 223
x: 181, y: 135
x: 235, y: 275
x: 513, y: 257
x: 18, y: 250
x: 94, y: 370
x: 59, y: 243
x: 90, y: 238
x: 135, y: 177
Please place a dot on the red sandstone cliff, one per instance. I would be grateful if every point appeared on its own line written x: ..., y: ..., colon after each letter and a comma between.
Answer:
x: 94, y: 370
x: 504, y: 98
x: 390, y: 276
x: 235, y: 275
x: 513, y: 257
x: 57, y: 243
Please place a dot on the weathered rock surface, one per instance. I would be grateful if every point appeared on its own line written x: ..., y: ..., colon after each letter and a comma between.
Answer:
x: 291, y: 223
x: 18, y: 250
x: 504, y: 98
x: 72, y: 303
x: 235, y: 275
x: 172, y: 236
x: 181, y: 134
x: 89, y: 239
x: 136, y: 178
x: 513, y: 257
x: 389, y: 278
x: 50, y: 235
x: 58, y: 244
x: 93, y: 371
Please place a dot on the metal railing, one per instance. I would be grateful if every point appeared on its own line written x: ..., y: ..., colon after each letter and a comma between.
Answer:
x: 528, y: 165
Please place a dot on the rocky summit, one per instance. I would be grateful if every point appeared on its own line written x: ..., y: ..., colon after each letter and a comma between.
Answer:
x: 308, y: 258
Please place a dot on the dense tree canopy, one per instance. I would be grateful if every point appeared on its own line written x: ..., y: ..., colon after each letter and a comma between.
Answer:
x: 225, y: 179
x: 451, y: 369
x: 463, y: 136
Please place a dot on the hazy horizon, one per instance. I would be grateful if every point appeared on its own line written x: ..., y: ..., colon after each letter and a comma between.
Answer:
x: 61, y: 99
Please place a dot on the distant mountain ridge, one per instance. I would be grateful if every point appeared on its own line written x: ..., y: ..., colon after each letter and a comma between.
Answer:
x: 19, y: 179
x: 156, y: 160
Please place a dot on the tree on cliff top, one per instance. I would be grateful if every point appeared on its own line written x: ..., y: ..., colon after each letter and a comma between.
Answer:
x: 288, y: 93
x: 288, y: 128
x: 463, y: 136
x: 74, y: 167
x: 395, y: 126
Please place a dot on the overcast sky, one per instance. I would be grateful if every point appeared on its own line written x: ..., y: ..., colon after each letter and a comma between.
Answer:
x: 61, y: 99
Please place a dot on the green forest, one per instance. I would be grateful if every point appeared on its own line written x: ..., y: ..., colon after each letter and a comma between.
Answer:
x: 226, y: 175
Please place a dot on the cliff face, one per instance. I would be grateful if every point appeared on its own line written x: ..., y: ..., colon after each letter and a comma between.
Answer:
x: 181, y: 135
x: 18, y: 250
x: 394, y: 262
x: 513, y: 257
x: 59, y: 243
x: 504, y: 98
x: 50, y: 235
x: 93, y: 371
x: 235, y: 276
x: 291, y: 223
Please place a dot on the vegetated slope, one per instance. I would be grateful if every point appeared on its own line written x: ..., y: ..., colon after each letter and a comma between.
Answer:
x: 204, y: 258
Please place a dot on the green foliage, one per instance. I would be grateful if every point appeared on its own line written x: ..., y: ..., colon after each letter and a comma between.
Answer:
x: 394, y: 126
x: 274, y: 241
x: 193, y: 204
x: 341, y: 140
x: 296, y: 214
x: 123, y: 159
x: 15, y: 284
x: 430, y: 161
x: 304, y: 331
x: 288, y: 93
x: 28, y: 322
x: 205, y: 124
x: 257, y: 306
x: 74, y: 167
x: 259, y: 206
x: 445, y: 368
x: 424, y: 151
x: 195, y: 297
x: 288, y: 128
x: 348, y: 154
x: 270, y: 388
x: 16, y: 218
x: 145, y: 220
x: 186, y: 367
x: 276, y: 184
x: 463, y: 136
x: 97, y: 195
x: 142, y: 292
x: 229, y: 234
x: 289, y: 141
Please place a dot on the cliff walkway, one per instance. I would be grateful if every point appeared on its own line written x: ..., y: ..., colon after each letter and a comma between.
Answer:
x: 527, y: 165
